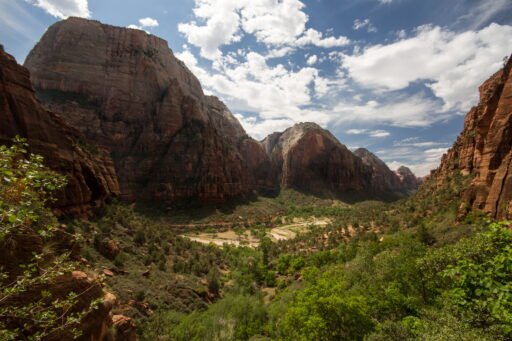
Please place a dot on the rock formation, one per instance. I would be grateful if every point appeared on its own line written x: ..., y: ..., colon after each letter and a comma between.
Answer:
x: 125, y: 89
x: 408, y: 180
x: 90, y: 172
x: 310, y: 158
x: 383, y: 178
x: 483, y: 149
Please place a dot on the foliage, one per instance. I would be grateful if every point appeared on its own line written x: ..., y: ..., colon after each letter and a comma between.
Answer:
x: 481, y: 286
x: 322, y: 311
x: 236, y: 317
x: 27, y: 310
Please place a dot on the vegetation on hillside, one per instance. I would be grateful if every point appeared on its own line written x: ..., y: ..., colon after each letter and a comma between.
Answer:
x: 402, y: 271
x: 29, y: 266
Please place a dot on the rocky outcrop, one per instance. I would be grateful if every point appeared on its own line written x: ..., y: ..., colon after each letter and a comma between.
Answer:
x: 483, y: 149
x: 383, y: 179
x: 311, y: 159
x: 125, y: 328
x: 17, y: 250
x: 408, y: 180
x: 90, y: 172
x: 124, y: 89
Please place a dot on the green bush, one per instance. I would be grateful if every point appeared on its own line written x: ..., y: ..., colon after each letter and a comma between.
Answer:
x: 26, y: 186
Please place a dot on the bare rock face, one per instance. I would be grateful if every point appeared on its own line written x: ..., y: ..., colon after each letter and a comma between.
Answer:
x: 408, y: 180
x: 383, y: 179
x: 310, y: 158
x: 483, y: 149
x: 90, y: 172
x: 125, y: 328
x: 125, y: 89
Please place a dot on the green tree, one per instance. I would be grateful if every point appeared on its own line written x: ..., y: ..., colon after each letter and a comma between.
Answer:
x: 481, y: 286
x: 27, y: 309
x: 322, y: 311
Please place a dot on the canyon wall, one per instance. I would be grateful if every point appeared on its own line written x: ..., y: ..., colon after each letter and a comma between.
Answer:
x: 89, y: 170
x: 483, y: 149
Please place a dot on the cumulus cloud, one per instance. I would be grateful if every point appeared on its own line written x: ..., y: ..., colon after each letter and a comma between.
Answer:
x: 273, y: 23
x: 364, y: 24
x: 148, y: 22
x: 398, y: 110
x: 63, y: 9
x: 145, y: 24
x: 273, y: 93
x: 385, y: 1
x: 316, y: 38
x: 452, y: 64
x: 312, y: 60
x: 261, y: 128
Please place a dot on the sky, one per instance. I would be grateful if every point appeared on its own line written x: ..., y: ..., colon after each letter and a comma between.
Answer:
x: 394, y: 76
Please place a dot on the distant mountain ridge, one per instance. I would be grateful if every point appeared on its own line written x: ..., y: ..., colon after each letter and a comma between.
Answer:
x: 168, y: 140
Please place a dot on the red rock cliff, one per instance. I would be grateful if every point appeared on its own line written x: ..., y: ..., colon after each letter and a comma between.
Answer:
x: 91, y: 175
x: 125, y: 89
x: 483, y: 149
x: 310, y: 158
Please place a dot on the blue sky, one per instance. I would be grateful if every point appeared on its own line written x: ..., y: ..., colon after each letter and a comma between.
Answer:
x: 393, y: 76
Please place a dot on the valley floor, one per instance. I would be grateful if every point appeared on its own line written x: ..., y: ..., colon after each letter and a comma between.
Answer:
x: 299, y: 268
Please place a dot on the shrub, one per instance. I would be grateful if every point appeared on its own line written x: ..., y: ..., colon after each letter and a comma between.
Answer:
x: 26, y: 186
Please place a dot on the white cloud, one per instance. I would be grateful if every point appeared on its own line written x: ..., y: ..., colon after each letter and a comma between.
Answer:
x: 260, y: 129
x: 145, y: 24
x: 148, y: 22
x: 356, y: 131
x: 272, y: 23
x: 453, y: 64
x: 420, y: 161
x: 385, y: 1
x: 271, y: 93
x: 63, y: 9
x: 483, y: 11
x: 364, y: 24
x: 312, y: 60
x: 371, y: 133
x: 398, y: 110
x: 313, y: 37
x: 414, y: 142
x: 222, y: 26
x: 379, y: 133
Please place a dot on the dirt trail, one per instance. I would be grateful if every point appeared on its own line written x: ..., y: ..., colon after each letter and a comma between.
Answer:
x: 285, y: 232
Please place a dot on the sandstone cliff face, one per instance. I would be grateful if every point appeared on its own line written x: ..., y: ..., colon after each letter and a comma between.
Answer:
x: 403, y: 181
x: 408, y: 180
x: 125, y: 89
x: 383, y: 179
x: 309, y: 158
x: 483, y: 149
x: 91, y: 175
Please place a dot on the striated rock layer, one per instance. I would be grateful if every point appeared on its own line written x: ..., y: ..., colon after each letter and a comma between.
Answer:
x: 483, y: 149
x: 90, y: 173
x: 125, y: 89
